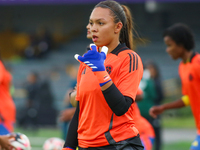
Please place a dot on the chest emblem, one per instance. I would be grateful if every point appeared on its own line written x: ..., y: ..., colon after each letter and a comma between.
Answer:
x: 109, y: 69
x: 190, y: 77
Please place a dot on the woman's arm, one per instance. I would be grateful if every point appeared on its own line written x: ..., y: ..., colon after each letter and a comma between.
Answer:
x: 116, y: 101
x: 72, y: 140
x: 156, y: 110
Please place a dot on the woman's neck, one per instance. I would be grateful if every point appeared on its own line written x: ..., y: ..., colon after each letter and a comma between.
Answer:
x: 187, y: 56
x: 112, y: 46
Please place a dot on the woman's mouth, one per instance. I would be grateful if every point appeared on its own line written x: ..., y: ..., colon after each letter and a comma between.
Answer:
x: 94, y: 38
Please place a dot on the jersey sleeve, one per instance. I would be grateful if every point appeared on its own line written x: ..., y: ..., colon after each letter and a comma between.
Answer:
x: 130, y: 75
x: 196, y: 68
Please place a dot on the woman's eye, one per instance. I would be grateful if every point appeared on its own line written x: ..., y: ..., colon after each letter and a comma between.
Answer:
x: 91, y: 23
x: 101, y: 23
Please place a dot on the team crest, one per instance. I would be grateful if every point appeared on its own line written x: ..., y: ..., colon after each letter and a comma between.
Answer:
x: 190, y: 77
x: 109, y: 69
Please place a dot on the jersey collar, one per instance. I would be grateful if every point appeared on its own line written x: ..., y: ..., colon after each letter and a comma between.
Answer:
x: 119, y: 48
x: 193, y: 54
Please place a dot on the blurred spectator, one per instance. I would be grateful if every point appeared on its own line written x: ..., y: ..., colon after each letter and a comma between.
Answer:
x: 68, y: 112
x: 155, y: 75
x: 39, y: 108
x: 146, y: 131
x: 7, y: 106
x: 47, y: 112
x: 149, y: 91
x: 32, y: 86
x: 40, y: 45
x: 148, y: 87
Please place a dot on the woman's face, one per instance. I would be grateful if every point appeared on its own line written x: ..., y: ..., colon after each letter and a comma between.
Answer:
x: 102, y: 27
x: 89, y: 35
x: 152, y: 71
x: 173, y: 49
x: 31, y: 78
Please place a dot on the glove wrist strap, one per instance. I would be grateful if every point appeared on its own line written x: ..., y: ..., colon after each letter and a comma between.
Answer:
x: 67, y: 148
x: 103, y: 77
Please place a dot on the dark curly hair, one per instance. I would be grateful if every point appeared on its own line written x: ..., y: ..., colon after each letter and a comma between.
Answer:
x: 182, y: 35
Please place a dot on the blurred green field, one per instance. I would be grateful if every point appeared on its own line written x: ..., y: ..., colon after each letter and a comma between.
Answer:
x: 37, y: 137
x: 183, y: 145
x: 178, y: 122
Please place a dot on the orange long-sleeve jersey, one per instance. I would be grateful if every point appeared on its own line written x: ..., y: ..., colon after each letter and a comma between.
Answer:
x: 190, y: 78
x: 95, y: 116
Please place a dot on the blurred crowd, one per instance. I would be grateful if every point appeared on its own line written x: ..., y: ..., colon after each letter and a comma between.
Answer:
x: 28, y: 45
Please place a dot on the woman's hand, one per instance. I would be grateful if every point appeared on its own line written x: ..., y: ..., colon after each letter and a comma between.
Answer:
x: 5, y: 143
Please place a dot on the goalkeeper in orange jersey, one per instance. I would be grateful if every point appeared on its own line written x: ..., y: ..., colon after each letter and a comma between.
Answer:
x: 180, y: 43
x: 145, y: 129
x: 107, y: 85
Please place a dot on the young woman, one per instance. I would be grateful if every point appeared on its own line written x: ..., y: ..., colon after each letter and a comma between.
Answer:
x: 180, y: 43
x: 107, y: 85
x: 145, y: 129
x: 7, y: 106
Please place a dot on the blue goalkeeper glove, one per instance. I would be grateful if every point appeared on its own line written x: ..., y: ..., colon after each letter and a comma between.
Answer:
x: 95, y: 61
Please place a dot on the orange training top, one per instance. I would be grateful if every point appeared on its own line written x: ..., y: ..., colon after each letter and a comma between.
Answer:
x: 7, y: 106
x: 190, y: 77
x: 95, y: 116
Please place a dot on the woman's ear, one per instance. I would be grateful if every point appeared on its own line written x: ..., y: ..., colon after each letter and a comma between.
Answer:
x: 118, y: 27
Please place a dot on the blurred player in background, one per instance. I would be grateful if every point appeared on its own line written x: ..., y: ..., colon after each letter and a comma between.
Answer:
x: 104, y: 118
x: 180, y: 43
x: 7, y: 106
x: 146, y: 130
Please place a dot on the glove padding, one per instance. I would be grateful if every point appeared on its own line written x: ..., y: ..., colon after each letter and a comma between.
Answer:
x: 95, y: 61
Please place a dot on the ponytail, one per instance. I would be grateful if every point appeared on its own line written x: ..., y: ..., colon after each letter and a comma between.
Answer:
x: 126, y: 34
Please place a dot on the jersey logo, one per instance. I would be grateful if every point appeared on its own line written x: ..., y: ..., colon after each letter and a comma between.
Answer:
x: 133, y: 62
x: 83, y: 72
x: 109, y: 69
x: 190, y: 77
